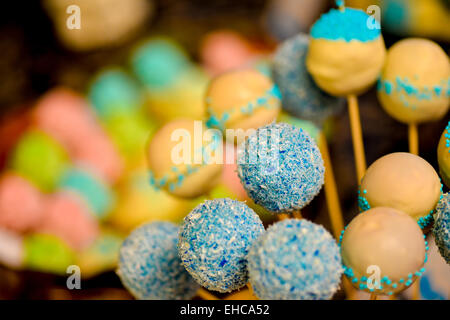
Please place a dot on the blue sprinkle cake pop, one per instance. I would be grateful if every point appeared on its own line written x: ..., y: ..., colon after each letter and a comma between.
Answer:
x: 301, y: 96
x: 280, y: 167
x: 441, y: 230
x: 149, y: 266
x: 214, y: 242
x: 295, y: 260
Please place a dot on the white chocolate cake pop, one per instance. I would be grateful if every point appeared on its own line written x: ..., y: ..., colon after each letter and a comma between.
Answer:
x: 414, y: 82
x: 242, y: 99
x: 383, y: 251
x: 345, y: 56
x: 181, y: 158
x: 402, y: 181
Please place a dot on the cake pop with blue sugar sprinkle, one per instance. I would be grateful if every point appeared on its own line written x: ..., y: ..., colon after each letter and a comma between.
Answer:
x: 214, y: 242
x: 301, y: 96
x: 149, y: 266
x: 346, y: 52
x: 441, y: 229
x: 295, y: 260
x: 280, y: 167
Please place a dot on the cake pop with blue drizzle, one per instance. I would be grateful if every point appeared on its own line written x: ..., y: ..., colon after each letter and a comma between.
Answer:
x: 295, y: 260
x: 414, y: 83
x: 301, y: 96
x: 185, y: 158
x: 441, y: 229
x: 280, y: 167
x: 345, y: 54
x: 383, y: 251
x: 241, y: 100
x: 149, y: 266
x: 214, y: 242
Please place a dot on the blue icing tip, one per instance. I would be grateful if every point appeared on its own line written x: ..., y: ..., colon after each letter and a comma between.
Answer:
x: 347, y: 25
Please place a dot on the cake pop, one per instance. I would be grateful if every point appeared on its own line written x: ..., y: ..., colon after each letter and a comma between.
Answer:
x: 280, y: 167
x: 402, y: 181
x: 383, y: 251
x: 113, y: 91
x: 40, y: 159
x: 295, y: 260
x: 214, y: 241
x: 102, y: 255
x: 90, y: 189
x: 68, y: 218
x: 414, y: 84
x: 149, y: 266
x: 83, y: 25
x: 441, y: 229
x: 301, y: 96
x: 174, y: 85
x: 21, y: 203
x: 443, y: 154
x: 139, y: 202
x: 242, y: 99
x: 345, y: 57
x: 47, y: 253
x: 186, y: 169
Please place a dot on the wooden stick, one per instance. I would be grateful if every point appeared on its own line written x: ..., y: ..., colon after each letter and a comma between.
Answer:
x: 373, y: 296
x: 297, y: 214
x: 416, y: 290
x: 205, y: 295
x: 331, y: 193
x: 243, y: 294
x: 358, y: 145
x: 283, y: 216
x: 413, y: 137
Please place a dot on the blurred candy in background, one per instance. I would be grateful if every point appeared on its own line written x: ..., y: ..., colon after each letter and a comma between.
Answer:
x: 74, y: 129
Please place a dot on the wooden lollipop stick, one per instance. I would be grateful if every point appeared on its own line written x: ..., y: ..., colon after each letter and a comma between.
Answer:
x: 373, y: 296
x: 205, y: 295
x: 243, y: 294
x: 358, y: 145
x: 331, y: 194
x: 413, y: 137
x: 334, y: 207
x: 297, y: 214
x: 416, y: 290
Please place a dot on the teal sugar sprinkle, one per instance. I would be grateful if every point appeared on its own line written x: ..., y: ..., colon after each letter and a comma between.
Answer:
x: 216, y: 121
x: 348, y: 272
x: 178, y: 181
x: 406, y: 89
x: 348, y: 24
x: 441, y: 229
x: 97, y: 195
